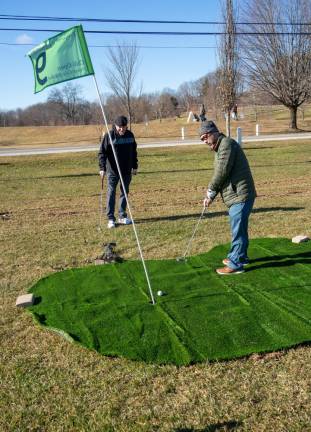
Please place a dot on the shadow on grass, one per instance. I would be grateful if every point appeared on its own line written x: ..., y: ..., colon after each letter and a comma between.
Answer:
x: 41, y: 318
x: 230, y: 425
x: 282, y: 257
x: 95, y: 174
x: 212, y: 214
x: 75, y: 337
x: 139, y: 172
x: 176, y: 171
x: 279, y: 165
x: 55, y: 177
x: 37, y: 300
x: 258, y: 148
x: 194, y: 170
x: 281, y: 261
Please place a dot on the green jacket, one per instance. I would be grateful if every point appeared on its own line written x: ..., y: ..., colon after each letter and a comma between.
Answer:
x: 232, y: 175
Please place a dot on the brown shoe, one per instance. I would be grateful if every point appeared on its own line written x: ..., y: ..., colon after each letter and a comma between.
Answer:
x: 228, y: 271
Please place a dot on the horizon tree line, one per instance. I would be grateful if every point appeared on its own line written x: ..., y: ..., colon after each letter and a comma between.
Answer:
x: 270, y: 63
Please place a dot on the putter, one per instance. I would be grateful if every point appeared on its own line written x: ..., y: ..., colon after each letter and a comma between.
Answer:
x: 101, y: 204
x: 183, y: 258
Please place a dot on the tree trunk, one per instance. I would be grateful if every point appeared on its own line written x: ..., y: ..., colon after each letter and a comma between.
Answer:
x: 228, y: 123
x: 293, y: 117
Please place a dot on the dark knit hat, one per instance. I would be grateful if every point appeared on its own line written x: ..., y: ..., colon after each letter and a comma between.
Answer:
x: 120, y: 121
x: 208, y: 127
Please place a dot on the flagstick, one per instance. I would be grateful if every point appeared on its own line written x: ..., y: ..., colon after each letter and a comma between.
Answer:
x: 124, y: 191
x: 101, y: 203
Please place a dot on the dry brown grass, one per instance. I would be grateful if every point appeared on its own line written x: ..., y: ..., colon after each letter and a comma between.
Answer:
x: 48, y: 384
x: 37, y: 136
x: 273, y: 119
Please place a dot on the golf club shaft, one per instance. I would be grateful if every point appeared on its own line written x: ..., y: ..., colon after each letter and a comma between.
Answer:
x: 195, y: 230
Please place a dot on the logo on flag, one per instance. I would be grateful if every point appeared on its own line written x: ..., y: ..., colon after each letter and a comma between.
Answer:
x: 61, y: 58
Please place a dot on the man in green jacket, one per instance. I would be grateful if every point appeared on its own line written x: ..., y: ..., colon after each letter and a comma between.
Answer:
x: 234, y: 181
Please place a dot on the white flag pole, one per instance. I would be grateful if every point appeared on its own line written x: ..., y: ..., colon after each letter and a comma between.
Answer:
x: 124, y: 191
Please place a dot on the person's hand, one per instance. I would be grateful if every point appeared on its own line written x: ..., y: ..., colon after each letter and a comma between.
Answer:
x: 102, y: 173
x: 207, y: 202
x: 134, y: 171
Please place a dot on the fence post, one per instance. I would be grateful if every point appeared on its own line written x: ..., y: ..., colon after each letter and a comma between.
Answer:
x: 257, y: 129
x: 239, y: 135
x: 182, y: 133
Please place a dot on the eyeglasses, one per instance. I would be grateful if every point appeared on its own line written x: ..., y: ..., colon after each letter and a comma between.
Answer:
x: 205, y: 136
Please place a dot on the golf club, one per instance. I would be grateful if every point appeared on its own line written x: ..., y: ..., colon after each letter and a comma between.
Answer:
x: 183, y: 258
x: 101, y: 203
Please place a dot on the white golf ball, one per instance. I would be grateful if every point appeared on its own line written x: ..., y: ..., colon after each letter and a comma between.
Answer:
x: 160, y: 293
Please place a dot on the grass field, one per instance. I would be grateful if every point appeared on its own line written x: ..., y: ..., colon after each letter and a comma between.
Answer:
x: 49, y: 218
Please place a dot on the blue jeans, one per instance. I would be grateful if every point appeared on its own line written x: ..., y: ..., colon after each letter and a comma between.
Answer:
x: 239, y: 215
x: 112, y: 182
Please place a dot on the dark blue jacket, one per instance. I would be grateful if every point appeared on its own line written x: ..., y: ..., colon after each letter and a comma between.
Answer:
x: 126, y: 151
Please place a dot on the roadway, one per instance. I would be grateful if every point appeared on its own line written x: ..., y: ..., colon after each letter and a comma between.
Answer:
x: 29, y: 151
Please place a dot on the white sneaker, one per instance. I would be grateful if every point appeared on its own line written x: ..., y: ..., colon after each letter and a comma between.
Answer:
x: 124, y: 221
x: 111, y: 224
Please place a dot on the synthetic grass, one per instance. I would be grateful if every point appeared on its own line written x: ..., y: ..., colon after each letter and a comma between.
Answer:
x: 202, y: 317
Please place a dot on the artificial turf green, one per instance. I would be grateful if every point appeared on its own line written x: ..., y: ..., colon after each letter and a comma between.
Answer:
x: 203, y: 316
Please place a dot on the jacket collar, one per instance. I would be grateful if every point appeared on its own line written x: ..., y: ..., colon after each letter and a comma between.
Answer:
x: 220, y: 138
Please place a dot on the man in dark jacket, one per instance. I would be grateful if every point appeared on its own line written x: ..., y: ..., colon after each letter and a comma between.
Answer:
x: 234, y: 181
x: 126, y: 151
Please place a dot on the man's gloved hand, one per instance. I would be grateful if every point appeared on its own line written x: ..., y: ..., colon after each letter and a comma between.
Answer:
x: 134, y: 171
x: 102, y: 173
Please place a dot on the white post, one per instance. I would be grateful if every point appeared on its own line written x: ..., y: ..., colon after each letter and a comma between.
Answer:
x: 257, y: 129
x: 190, y: 117
x: 239, y: 135
x: 182, y: 133
x: 125, y: 194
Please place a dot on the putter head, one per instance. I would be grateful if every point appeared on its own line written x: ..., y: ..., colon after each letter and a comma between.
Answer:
x: 181, y: 259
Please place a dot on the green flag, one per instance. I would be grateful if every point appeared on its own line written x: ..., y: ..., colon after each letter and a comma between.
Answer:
x: 61, y: 58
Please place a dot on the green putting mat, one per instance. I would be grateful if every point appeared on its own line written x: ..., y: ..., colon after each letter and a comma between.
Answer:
x: 203, y: 316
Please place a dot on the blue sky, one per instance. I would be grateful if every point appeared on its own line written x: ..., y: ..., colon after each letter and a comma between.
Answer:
x: 159, y: 68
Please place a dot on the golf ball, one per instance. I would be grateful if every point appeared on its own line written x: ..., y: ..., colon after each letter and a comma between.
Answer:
x: 160, y: 293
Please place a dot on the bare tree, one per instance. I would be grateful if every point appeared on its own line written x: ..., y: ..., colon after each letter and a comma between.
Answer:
x: 204, y: 84
x: 211, y: 93
x: 278, y: 61
x: 143, y: 108
x: 121, y: 75
x: 113, y: 107
x: 227, y: 73
x: 188, y: 94
x: 69, y: 100
x: 166, y: 105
